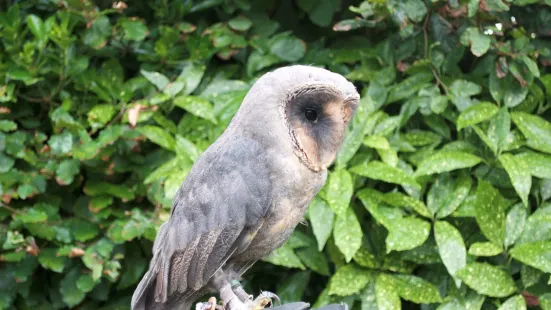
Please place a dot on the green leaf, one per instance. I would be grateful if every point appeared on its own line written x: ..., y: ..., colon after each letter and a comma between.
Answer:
x: 196, y: 106
x: 313, y: 259
x: 66, y: 171
x: 6, y: 163
x: 407, y: 233
x: 409, y: 86
x: 449, y: 204
x: 13, y: 257
x: 134, y: 30
x: 538, y: 164
x: 158, y: 79
x: 320, y: 12
x: 353, y: 139
x: 348, y: 280
x: 61, y: 144
x: 240, y: 23
x: 96, y: 36
x: 536, y: 130
x: 398, y: 199
x: 472, y: 7
x: 475, y: 114
x: 516, y: 302
x: 530, y: 276
x: 101, y: 114
x: 366, y: 259
x: 186, y: 147
x: 484, y: 249
x: 451, y: 248
x: 416, y: 289
x: 159, y: 136
x: 380, y: 171
x: 446, y: 161
x: 49, y: 260
x: 386, y: 293
x: 545, y: 299
x: 72, y: 296
x: 421, y: 138
x: 415, y: 10
x: 514, y: 224
x: 288, y: 48
x: 7, y: 125
x: 531, y: 65
x: 487, y: 279
x: 535, y: 254
x: 350, y: 24
x: 377, y: 142
x: 465, y: 88
x: 94, y: 188
x: 538, y: 226
x: 85, y: 283
x: 286, y: 257
x: 348, y: 234
x: 519, y: 173
x: 479, y: 42
x: 292, y: 288
x: 321, y: 218
x: 339, y: 191
x: 191, y: 76
x: 490, y: 214
x: 32, y: 215
x: 37, y: 27
x: 84, y: 231
x: 499, y: 130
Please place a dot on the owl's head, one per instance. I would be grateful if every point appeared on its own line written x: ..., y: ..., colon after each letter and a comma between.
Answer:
x: 306, y: 108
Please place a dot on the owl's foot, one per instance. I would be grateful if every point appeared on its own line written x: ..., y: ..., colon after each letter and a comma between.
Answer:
x: 209, y: 305
x: 262, y: 300
x: 240, y: 292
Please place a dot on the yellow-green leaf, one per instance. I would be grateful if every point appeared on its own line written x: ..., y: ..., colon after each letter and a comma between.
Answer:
x: 475, y: 114
x: 490, y: 215
x: 451, y: 248
x: 380, y: 171
x: 519, y: 173
x: 484, y: 249
x: 446, y: 161
x: 536, y: 254
x: 349, y: 279
x: 487, y: 279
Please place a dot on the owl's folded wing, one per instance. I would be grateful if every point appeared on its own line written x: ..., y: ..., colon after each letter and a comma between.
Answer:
x: 226, y: 194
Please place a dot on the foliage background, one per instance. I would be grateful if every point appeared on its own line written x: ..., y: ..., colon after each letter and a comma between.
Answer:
x: 439, y: 198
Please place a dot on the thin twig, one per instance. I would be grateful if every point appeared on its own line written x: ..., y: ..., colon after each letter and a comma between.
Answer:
x: 439, y: 82
x: 426, y: 44
x: 425, y: 27
x: 12, y: 210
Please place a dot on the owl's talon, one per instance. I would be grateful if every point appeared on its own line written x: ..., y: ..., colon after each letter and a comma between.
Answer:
x: 262, y: 300
x: 209, y: 305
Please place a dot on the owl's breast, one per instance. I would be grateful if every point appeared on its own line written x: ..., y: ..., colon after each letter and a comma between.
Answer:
x: 291, y: 200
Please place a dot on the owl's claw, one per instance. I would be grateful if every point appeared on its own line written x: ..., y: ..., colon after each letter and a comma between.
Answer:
x: 262, y: 300
x: 209, y: 305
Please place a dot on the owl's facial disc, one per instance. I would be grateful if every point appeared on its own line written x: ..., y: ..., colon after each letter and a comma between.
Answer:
x: 317, y: 117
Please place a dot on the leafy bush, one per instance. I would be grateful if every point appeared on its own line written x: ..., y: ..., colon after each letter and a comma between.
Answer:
x: 440, y: 195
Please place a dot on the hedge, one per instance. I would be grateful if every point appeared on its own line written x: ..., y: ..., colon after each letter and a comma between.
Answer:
x: 439, y: 198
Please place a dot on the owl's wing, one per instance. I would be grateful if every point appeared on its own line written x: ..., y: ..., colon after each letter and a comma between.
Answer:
x: 224, y: 197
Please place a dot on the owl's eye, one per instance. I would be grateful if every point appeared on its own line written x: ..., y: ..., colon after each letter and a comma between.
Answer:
x: 311, y: 115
